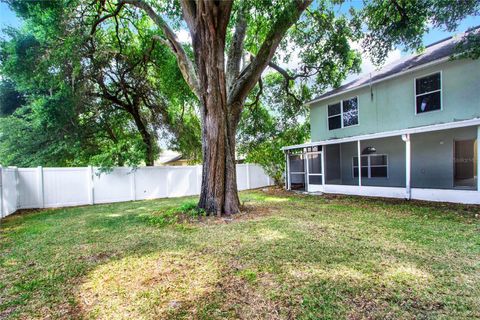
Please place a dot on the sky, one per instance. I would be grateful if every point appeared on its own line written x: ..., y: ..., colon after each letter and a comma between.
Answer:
x: 8, y: 18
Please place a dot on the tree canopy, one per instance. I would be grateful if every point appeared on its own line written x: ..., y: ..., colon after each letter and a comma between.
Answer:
x: 117, y: 91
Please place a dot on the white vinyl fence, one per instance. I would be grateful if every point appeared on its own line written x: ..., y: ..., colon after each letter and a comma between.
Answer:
x: 27, y: 188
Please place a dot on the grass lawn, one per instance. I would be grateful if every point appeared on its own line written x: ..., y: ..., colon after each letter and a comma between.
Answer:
x: 288, y: 257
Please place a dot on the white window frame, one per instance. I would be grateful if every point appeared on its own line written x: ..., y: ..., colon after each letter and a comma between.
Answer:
x: 341, y: 114
x: 415, y: 95
x: 369, y: 166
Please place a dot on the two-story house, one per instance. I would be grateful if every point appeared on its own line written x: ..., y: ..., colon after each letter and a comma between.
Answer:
x: 410, y: 130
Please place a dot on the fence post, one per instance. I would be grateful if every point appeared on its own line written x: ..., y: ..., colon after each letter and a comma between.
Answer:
x: 41, y: 193
x: 132, y: 184
x: 1, y: 192
x: 198, y: 171
x: 17, y: 191
x: 90, y: 185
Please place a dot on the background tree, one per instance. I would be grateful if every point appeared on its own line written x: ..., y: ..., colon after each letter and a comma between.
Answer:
x: 404, y: 22
x: 10, y: 98
x: 119, y: 84
x: 276, y: 119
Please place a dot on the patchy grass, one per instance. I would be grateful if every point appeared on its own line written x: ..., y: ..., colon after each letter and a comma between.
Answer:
x: 287, y: 256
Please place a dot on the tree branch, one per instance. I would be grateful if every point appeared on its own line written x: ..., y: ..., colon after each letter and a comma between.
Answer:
x: 108, y: 16
x: 189, y: 9
x: 184, y: 63
x: 258, y: 95
x: 287, y: 78
x: 236, y: 50
x: 250, y: 75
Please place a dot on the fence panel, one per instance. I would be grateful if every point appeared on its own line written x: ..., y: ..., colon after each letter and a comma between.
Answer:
x: 28, y: 192
x: 65, y: 187
x: 257, y: 177
x: 151, y: 183
x: 242, y: 176
x: 114, y: 186
x: 9, y: 191
x: 182, y: 181
x: 61, y: 187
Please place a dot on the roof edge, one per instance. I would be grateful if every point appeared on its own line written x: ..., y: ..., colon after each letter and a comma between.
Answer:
x: 426, y: 65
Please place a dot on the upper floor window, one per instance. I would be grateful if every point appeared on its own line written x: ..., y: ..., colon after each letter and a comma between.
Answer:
x: 343, y: 114
x: 428, y: 93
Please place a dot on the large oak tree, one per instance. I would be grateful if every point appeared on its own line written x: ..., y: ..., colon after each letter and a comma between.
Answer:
x: 233, y: 43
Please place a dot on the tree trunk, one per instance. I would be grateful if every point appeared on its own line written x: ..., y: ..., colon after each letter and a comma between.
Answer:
x: 219, y: 183
x: 146, y: 138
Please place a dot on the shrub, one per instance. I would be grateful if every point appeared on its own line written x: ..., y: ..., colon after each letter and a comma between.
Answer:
x: 185, y: 211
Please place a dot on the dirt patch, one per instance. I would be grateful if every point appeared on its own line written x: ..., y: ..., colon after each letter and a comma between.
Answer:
x: 97, y: 257
x: 237, y: 298
x: 5, y: 313
x: 379, y: 305
x: 247, y: 302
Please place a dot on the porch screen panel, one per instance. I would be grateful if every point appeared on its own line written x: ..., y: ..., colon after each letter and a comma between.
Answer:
x: 297, y: 172
x: 297, y: 164
x: 315, y: 163
x: 314, y: 168
x: 465, y: 164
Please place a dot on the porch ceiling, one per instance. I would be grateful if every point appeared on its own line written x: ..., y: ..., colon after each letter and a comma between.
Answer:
x: 434, y: 127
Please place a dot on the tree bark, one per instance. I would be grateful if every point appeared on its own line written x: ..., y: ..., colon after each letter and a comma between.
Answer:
x: 219, y: 184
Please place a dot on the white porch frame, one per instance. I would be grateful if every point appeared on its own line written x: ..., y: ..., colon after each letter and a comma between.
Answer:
x: 314, y: 187
x: 408, y: 166
x: 289, y: 173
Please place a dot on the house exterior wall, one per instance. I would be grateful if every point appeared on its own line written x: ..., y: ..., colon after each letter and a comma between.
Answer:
x: 433, y: 157
x: 393, y: 104
x: 393, y: 147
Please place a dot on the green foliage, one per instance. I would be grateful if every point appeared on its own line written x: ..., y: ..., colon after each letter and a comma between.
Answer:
x: 403, y: 23
x: 56, y: 64
x: 10, y: 98
x: 470, y: 47
x: 186, y: 210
